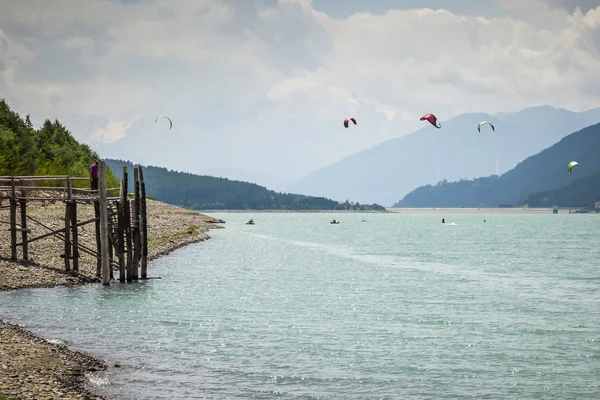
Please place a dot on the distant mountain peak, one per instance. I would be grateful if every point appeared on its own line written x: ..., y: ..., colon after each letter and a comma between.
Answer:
x: 388, y: 171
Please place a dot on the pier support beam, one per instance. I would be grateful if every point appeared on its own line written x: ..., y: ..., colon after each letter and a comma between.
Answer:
x: 143, y: 226
x: 104, y: 224
x: 13, y: 221
x: 24, y: 231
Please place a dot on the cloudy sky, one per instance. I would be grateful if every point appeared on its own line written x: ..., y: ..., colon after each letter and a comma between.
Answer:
x: 264, y: 85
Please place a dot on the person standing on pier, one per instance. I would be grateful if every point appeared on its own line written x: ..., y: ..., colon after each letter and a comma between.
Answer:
x: 94, y: 175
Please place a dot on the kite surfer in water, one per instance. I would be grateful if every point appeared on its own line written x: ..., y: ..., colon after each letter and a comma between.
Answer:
x: 443, y: 221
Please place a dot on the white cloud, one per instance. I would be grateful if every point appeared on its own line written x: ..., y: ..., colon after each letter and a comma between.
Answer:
x: 251, y: 80
x: 114, y: 131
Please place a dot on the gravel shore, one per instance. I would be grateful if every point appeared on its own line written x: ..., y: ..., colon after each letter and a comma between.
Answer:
x: 32, y: 368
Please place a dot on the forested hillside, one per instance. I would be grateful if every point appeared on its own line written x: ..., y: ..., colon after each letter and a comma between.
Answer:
x: 210, y: 193
x: 583, y: 192
x: 50, y: 150
x: 544, y: 171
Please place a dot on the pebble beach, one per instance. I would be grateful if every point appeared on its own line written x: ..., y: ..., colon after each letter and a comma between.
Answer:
x: 33, y: 368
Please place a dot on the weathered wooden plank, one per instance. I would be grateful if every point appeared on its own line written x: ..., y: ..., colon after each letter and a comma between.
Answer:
x: 121, y: 242
x: 56, y: 232
x: 110, y: 254
x: 143, y: 226
x: 82, y: 199
x: 98, y: 242
x: 55, y: 188
x: 24, y: 230
x: 75, y: 235
x: 103, y: 223
x: 67, y: 236
x: 13, y: 222
x: 128, y: 239
x: 69, y: 192
x: 137, y: 246
x: 120, y: 225
x: 42, y: 178
x: 53, y: 231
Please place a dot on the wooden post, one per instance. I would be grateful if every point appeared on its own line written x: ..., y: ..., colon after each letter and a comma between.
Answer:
x: 136, y: 225
x: 68, y: 236
x: 133, y: 241
x: 69, y: 189
x: 121, y: 242
x: 120, y: 224
x: 68, y: 227
x: 98, y: 242
x: 128, y: 239
x: 13, y: 221
x: 103, y: 224
x: 110, y: 253
x: 75, y: 236
x: 23, y: 207
x: 143, y: 226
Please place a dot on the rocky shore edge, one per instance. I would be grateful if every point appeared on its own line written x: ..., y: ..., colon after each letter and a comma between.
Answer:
x: 34, y: 368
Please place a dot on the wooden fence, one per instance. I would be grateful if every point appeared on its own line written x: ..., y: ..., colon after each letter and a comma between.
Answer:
x: 120, y: 222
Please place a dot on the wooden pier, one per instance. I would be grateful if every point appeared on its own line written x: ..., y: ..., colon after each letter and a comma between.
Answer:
x: 120, y: 222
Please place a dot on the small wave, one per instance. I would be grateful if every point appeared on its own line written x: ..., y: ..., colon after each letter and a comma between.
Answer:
x: 549, y: 331
x: 173, y: 323
x: 97, y: 380
x: 60, y: 342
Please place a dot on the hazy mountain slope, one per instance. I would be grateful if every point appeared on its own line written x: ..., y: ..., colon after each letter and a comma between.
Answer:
x: 386, y: 172
x: 552, y: 120
x: 426, y: 156
x: 544, y: 171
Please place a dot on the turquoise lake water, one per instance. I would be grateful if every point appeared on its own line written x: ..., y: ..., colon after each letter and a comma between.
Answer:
x: 399, y: 306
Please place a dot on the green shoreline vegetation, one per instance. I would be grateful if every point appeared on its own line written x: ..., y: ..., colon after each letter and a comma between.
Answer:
x: 49, y: 150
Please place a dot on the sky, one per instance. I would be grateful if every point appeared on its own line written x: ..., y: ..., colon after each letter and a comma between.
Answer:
x: 264, y: 85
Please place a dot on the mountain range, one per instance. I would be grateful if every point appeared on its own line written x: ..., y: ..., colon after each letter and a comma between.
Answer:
x: 536, y: 181
x: 387, y: 172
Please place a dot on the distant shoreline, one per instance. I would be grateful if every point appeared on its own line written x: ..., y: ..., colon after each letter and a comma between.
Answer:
x: 295, y: 211
x: 479, y: 210
x: 408, y: 210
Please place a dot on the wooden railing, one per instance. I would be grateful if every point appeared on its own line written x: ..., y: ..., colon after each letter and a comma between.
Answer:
x: 19, y: 187
x: 126, y: 234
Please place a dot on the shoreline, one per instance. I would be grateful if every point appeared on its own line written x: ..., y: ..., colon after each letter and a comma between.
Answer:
x: 450, y: 210
x: 295, y: 211
x: 60, y: 372
x: 35, y: 368
x: 413, y: 210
